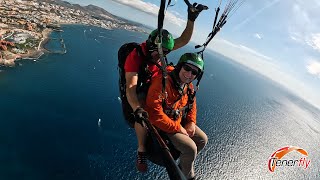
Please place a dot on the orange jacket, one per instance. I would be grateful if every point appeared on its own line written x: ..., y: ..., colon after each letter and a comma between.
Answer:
x: 155, y: 110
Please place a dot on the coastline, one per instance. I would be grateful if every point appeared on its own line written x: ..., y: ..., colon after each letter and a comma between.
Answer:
x: 30, y: 38
x: 33, y: 54
x: 40, y: 50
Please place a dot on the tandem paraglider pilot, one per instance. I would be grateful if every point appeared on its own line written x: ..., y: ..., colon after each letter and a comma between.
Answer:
x: 175, y: 112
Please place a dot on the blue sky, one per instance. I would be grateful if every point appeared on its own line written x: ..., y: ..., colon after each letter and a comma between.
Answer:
x: 277, y: 38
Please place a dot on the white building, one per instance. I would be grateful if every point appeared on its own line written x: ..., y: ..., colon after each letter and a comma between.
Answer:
x: 21, y: 38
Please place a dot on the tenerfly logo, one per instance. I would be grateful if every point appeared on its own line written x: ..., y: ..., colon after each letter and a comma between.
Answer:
x: 276, y: 160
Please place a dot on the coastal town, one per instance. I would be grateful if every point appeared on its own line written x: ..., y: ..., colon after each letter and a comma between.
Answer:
x: 25, y: 25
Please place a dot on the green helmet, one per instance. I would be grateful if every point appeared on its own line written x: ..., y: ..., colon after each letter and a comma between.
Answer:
x: 167, y: 39
x: 193, y: 59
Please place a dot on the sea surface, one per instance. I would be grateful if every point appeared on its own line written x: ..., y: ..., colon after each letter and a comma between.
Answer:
x: 50, y: 108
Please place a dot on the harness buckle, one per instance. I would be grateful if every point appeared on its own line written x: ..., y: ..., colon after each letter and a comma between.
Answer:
x: 176, y: 114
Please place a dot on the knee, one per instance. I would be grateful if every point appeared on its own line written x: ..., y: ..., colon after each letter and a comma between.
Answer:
x: 190, y: 149
x: 203, y: 141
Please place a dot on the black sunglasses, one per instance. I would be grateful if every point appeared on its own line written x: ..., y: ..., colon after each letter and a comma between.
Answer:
x: 188, y: 68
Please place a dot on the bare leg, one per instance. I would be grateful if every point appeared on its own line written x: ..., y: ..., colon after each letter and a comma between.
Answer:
x: 141, y: 133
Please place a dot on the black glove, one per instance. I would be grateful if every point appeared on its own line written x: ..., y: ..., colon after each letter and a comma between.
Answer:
x: 140, y: 114
x: 195, y: 10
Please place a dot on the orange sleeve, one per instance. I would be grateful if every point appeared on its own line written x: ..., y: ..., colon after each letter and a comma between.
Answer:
x: 192, y: 114
x: 154, y: 108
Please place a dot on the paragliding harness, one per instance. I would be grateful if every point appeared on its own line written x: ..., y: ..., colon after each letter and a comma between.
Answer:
x: 144, y: 77
x: 123, y: 52
x: 169, y: 110
x: 160, y: 150
x: 152, y: 148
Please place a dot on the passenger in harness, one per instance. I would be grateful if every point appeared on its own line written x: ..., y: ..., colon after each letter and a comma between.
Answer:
x: 167, y: 111
x: 139, y: 67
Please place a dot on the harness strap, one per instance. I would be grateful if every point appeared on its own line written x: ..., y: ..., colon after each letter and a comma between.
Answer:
x: 145, y: 73
x: 184, y: 110
x: 139, y: 50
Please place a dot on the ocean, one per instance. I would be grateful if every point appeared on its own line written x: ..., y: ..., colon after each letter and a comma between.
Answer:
x: 49, y: 112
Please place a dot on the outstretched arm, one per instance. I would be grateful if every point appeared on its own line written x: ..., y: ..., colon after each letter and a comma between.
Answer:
x: 185, y: 36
